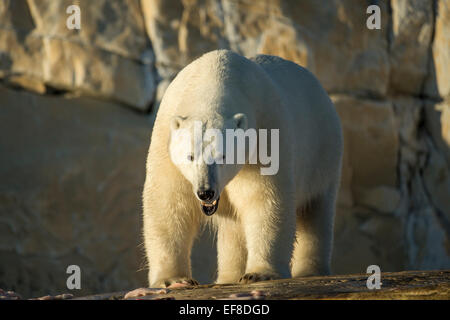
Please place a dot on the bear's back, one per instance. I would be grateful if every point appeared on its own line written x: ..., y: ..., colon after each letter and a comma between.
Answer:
x: 294, y: 80
x: 315, y: 122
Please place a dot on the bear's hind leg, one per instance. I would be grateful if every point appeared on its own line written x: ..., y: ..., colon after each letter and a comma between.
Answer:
x: 314, y: 237
x: 231, y: 250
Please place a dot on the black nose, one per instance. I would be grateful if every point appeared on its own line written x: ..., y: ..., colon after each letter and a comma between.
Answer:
x: 205, y: 195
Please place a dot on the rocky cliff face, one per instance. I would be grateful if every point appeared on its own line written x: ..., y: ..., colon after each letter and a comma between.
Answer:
x: 110, y: 56
x: 73, y: 148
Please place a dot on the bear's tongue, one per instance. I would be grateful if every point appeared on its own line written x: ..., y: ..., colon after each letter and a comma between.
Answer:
x: 210, y: 208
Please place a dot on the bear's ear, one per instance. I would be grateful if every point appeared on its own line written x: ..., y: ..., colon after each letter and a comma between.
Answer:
x: 241, y: 121
x: 175, y: 123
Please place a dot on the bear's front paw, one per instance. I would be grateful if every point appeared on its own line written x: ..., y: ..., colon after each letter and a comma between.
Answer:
x: 177, y: 283
x: 257, y: 276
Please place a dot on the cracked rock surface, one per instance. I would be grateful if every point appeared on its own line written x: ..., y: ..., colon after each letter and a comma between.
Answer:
x: 396, y: 285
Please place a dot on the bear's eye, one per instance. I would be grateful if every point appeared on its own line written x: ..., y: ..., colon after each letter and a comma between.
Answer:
x: 190, y: 157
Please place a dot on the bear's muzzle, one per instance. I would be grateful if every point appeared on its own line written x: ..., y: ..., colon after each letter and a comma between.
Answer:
x: 209, y: 208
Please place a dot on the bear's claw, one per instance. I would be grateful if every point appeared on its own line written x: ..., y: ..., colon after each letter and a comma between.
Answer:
x: 179, y: 282
x: 255, y: 276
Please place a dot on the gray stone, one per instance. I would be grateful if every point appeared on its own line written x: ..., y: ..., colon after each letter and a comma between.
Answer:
x: 441, y: 48
x: 110, y: 56
x: 412, y: 29
x: 71, y: 176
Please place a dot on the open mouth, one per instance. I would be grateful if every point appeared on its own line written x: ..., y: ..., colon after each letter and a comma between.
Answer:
x: 209, y: 208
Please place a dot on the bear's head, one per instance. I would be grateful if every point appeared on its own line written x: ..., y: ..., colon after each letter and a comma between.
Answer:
x: 209, y: 154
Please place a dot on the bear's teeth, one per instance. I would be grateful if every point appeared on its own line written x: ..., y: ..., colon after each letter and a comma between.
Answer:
x: 207, y: 204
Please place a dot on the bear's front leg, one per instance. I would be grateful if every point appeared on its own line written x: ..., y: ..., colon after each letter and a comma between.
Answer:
x: 168, y: 242
x: 269, y: 228
x: 231, y: 250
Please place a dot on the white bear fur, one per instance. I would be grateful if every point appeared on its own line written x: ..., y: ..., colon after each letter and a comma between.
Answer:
x: 268, y: 226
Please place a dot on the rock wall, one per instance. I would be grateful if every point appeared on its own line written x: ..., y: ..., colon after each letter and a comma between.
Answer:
x: 73, y: 148
x: 69, y: 192
x: 110, y: 56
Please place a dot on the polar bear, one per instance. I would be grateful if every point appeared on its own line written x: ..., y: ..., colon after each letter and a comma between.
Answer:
x: 268, y: 226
